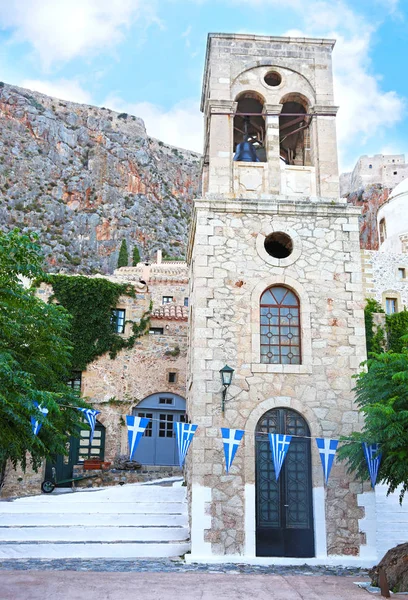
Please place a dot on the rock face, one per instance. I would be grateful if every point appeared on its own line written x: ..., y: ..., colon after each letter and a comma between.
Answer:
x: 85, y: 178
x: 370, y: 198
x: 395, y: 564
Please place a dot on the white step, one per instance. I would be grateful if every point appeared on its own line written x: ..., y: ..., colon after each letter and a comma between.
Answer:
x: 133, y: 521
x: 131, y: 493
x: 96, y: 508
x: 95, y: 550
x: 88, y: 518
x: 93, y: 534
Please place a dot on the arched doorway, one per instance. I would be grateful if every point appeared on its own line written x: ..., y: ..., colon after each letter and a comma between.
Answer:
x: 158, y: 444
x: 284, y: 508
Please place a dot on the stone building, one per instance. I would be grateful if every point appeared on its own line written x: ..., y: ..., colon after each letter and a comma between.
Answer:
x: 387, y: 170
x: 385, y: 273
x: 147, y: 380
x: 276, y: 293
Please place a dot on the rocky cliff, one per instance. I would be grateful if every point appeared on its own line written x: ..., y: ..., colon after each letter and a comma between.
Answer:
x: 85, y: 178
x: 369, y: 198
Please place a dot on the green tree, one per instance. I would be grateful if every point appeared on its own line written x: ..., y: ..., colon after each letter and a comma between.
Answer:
x: 123, y: 259
x: 35, y: 354
x: 135, y: 256
x: 382, y: 396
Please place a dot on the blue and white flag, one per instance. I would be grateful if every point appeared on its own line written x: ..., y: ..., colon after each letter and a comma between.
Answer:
x: 373, y: 458
x: 184, y: 435
x: 327, y: 450
x: 231, y: 439
x: 279, y: 448
x: 36, y: 425
x: 90, y: 416
x: 136, y: 428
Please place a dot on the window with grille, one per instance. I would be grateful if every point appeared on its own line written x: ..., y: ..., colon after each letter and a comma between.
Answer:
x: 94, y: 450
x: 149, y: 429
x: 156, y: 330
x: 167, y: 299
x: 118, y: 320
x: 280, y: 327
x: 390, y: 306
x: 166, y: 401
x: 75, y: 382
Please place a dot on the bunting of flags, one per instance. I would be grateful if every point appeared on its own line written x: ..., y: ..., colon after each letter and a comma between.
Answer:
x: 184, y: 435
x: 373, y: 458
x: 90, y: 416
x: 327, y: 450
x: 231, y: 439
x: 36, y: 425
x: 279, y: 447
x: 136, y: 428
x: 279, y: 443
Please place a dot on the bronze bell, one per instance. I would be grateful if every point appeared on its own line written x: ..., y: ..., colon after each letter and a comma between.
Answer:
x: 245, y: 152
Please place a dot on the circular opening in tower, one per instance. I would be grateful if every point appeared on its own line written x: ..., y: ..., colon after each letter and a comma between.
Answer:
x: 272, y: 78
x: 278, y: 245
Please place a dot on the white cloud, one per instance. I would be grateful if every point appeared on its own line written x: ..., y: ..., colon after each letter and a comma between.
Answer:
x: 64, y: 89
x: 60, y: 30
x: 181, y: 125
x: 367, y: 110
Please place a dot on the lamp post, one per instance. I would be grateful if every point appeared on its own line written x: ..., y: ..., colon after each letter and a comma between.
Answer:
x: 226, y: 378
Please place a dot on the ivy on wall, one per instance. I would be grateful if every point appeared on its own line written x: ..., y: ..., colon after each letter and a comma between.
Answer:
x: 90, y: 301
x: 390, y: 338
x: 374, y: 339
x: 397, y: 327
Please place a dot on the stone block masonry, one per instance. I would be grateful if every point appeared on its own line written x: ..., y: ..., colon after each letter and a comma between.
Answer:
x: 321, y: 270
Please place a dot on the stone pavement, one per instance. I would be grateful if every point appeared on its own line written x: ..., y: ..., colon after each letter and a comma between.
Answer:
x: 68, y: 585
x: 166, y: 579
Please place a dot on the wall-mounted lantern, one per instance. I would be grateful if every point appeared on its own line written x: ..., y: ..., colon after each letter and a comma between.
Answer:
x: 226, y: 379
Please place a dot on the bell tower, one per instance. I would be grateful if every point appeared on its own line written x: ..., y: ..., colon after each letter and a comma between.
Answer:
x: 276, y: 294
x: 271, y: 99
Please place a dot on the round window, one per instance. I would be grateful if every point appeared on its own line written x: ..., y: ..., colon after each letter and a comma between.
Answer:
x: 272, y: 79
x: 278, y: 244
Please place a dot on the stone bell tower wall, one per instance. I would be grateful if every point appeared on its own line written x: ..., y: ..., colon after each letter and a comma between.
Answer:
x: 237, y: 64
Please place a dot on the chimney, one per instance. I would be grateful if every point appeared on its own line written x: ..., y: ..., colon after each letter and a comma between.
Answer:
x: 159, y: 257
x: 146, y: 272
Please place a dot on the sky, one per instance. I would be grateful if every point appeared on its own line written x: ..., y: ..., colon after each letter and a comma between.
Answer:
x: 145, y: 57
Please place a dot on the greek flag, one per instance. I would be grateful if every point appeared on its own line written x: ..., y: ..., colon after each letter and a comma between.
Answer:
x: 36, y: 425
x: 373, y: 458
x: 90, y: 416
x: 231, y: 439
x: 136, y: 428
x: 184, y: 435
x: 327, y: 450
x: 279, y: 447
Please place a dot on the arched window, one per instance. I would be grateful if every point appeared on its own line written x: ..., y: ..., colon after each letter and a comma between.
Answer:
x: 383, y: 231
x: 252, y: 126
x: 280, y: 326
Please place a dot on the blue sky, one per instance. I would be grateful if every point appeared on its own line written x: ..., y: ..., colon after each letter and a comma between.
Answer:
x: 145, y: 57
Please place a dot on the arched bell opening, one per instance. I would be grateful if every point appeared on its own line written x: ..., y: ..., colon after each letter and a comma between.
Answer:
x: 249, y: 128
x: 284, y: 507
x: 294, y: 131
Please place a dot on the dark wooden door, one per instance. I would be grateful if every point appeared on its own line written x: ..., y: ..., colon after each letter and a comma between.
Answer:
x: 63, y: 465
x: 284, y: 509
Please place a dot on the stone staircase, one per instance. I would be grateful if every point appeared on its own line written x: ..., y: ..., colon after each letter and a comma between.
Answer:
x: 133, y: 521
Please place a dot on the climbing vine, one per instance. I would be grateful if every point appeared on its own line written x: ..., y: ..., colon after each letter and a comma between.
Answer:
x: 90, y: 302
x: 397, y: 327
x: 374, y: 339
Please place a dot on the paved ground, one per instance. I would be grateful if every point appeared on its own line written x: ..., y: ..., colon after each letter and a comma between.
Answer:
x: 68, y: 585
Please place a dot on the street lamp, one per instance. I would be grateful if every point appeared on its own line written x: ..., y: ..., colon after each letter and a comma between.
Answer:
x: 226, y: 378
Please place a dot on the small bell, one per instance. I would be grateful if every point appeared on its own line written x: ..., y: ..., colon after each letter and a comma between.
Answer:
x: 245, y: 151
